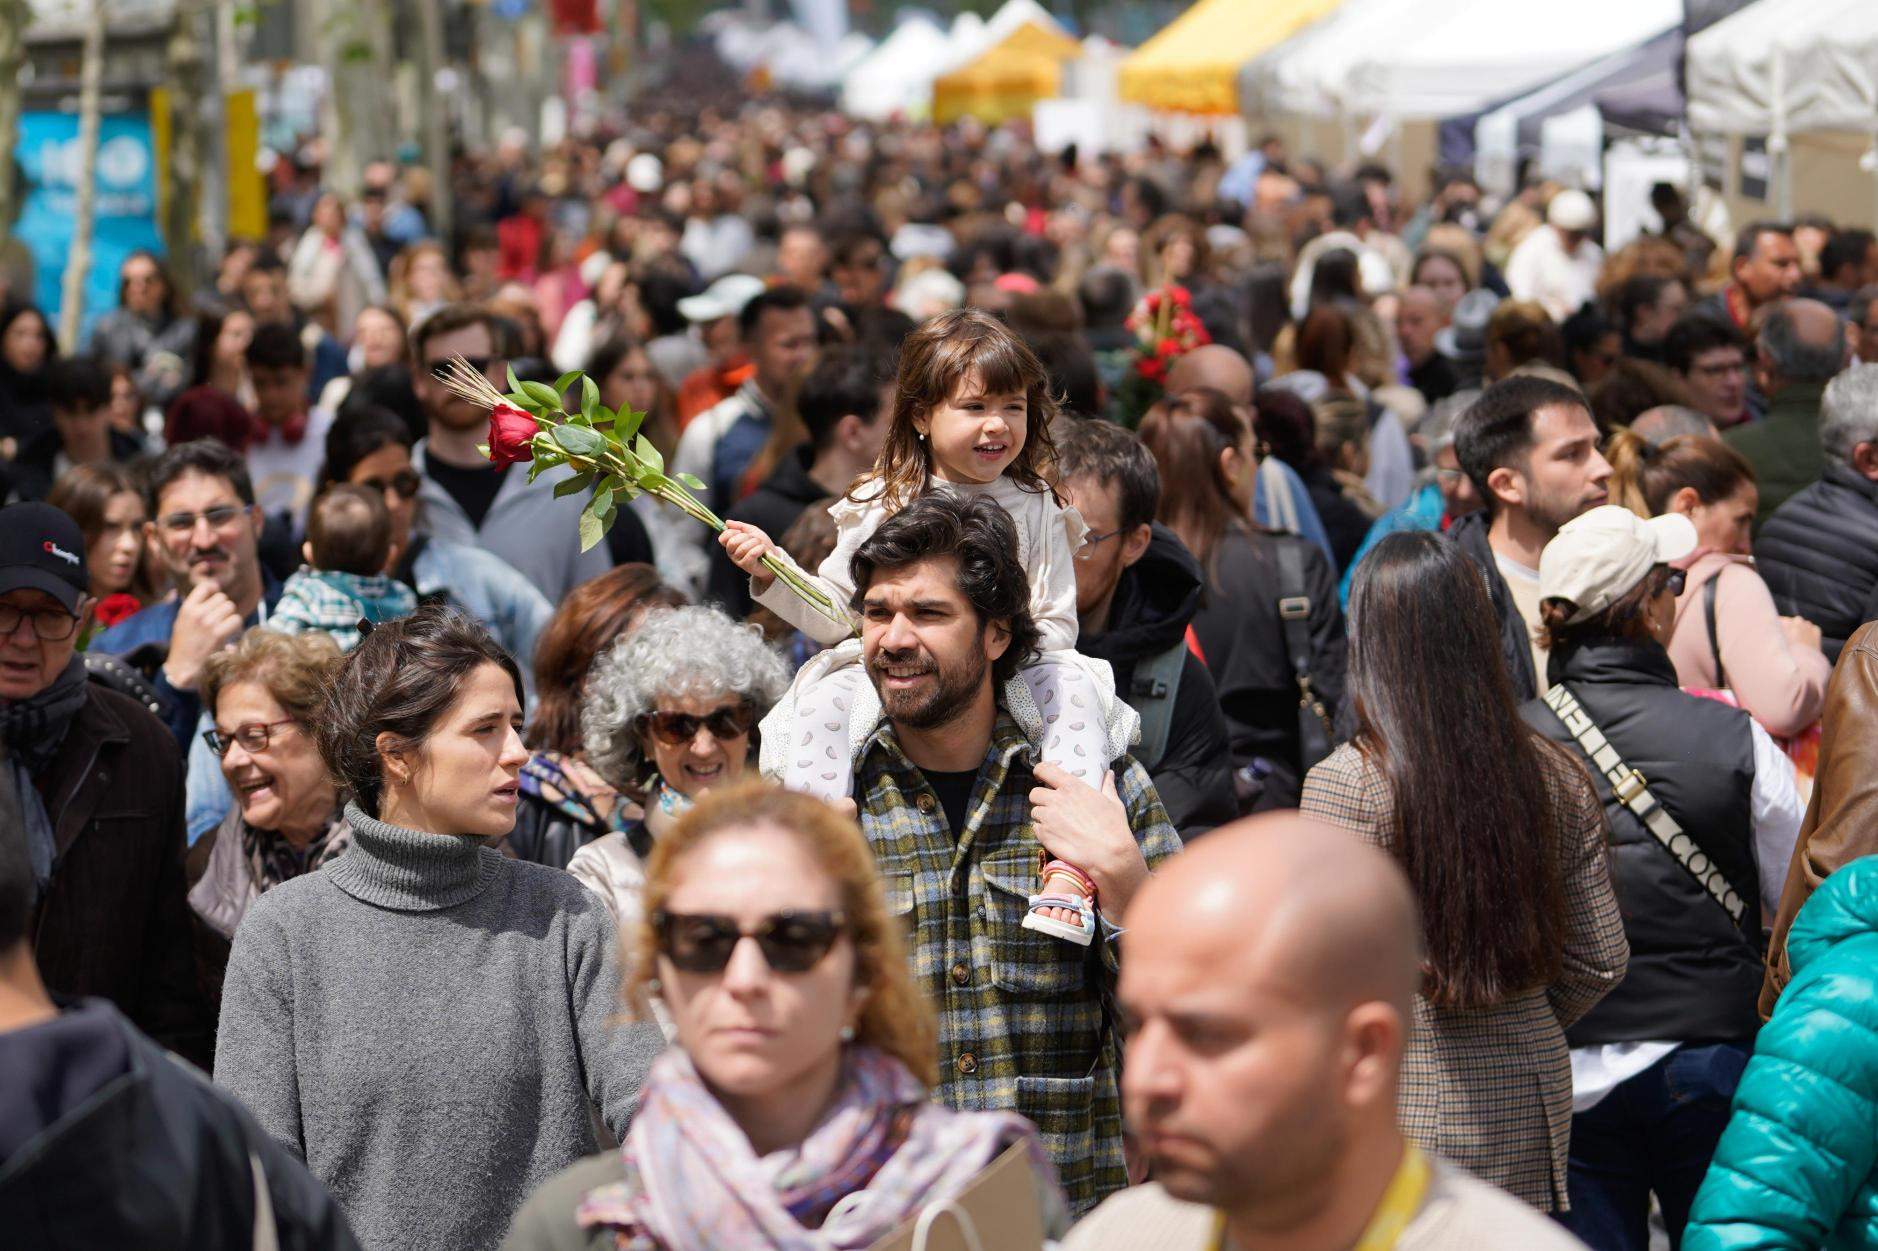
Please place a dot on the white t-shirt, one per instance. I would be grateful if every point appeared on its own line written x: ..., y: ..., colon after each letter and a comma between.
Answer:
x: 284, y: 473
x: 1524, y: 585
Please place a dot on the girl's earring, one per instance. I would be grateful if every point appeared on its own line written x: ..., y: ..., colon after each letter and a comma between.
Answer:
x: 922, y: 435
x: 847, y: 1033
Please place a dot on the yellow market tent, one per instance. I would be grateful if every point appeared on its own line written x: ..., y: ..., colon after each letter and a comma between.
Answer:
x: 1007, y: 79
x: 1193, y: 64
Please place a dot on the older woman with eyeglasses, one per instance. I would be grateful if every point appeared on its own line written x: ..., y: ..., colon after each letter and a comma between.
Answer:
x: 262, y: 694
x: 671, y: 712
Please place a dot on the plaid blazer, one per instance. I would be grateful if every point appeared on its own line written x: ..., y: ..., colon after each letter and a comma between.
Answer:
x: 1025, y: 1020
x: 1491, y: 1088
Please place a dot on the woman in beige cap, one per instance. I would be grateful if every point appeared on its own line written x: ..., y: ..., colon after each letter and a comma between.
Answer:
x: 1703, y: 815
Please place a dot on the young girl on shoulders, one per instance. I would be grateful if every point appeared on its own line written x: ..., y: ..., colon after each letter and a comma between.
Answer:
x: 971, y: 414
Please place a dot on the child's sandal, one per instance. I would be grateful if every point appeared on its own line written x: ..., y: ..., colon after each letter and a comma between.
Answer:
x: 1082, y: 933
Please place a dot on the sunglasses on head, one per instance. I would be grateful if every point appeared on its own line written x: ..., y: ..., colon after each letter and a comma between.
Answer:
x: 791, y: 942
x: 675, y: 729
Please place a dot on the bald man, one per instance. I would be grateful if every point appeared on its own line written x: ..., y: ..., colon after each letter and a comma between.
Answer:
x: 1268, y: 987
x: 1801, y: 348
x: 1657, y: 426
x: 1279, y: 498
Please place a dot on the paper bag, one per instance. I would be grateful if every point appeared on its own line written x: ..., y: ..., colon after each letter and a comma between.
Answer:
x: 1001, y: 1204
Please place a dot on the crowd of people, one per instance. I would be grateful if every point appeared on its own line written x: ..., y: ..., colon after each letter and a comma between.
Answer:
x: 1326, y: 720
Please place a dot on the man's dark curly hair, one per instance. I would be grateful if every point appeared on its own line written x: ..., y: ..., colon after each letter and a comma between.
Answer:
x: 981, y: 536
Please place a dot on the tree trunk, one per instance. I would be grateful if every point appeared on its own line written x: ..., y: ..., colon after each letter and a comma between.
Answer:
x: 78, y: 261
x: 14, y: 15
x: 433, y: 118
x: 187, y: 62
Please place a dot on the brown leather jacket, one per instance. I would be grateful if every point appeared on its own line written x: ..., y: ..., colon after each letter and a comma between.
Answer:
x: 114, y: 922
x: 1842, y: 819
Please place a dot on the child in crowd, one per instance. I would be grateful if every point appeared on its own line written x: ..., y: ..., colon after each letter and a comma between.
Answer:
x: 348, y: 547
x: 971, y: 413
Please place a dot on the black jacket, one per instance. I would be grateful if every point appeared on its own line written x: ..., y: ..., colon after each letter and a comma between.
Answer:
x: 105, y: 1141
x: 772, y: 508
x: 1695, y: 975
x: 1242, y: 641
x: 32, y: 472
x: 1154, y: 603
x: 114, y: 921
x: 1515, y: 638
x: 544, y: 834
x: 1819, y: 554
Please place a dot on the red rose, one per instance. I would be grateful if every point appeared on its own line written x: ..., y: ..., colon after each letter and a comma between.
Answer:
x: 114, y: 608
x: 511, y: 435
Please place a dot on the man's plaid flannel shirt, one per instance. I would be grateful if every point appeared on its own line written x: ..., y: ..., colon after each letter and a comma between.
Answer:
x: 1024, y: 1019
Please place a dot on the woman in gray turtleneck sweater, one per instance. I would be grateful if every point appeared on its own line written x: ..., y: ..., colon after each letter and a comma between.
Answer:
x: 424, y: 1020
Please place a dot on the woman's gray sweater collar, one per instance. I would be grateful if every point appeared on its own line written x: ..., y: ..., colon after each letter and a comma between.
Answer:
x: 393, y: 867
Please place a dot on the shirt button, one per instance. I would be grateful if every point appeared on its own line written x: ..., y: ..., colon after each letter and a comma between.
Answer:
x: 968, y: 1063
x: 961, y: 974
x: 925, y: 802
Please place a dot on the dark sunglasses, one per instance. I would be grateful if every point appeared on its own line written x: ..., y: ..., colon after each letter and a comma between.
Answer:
x: 675, y: 729
x: 405, y: 482
x: 1678, y: 578
x: 791, y: 942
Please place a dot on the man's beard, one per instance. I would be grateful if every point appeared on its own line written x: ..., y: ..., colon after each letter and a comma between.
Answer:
x: 939, y: 704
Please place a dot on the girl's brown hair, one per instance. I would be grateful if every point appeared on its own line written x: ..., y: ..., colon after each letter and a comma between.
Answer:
x: 935, y: 361
x: 1644, y: 479
x: 594, y: 614
x: 895, y: 1017
x: 1185, y: 434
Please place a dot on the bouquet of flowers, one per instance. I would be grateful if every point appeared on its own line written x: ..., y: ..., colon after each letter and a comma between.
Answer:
x: 604, y: 448
x: 1165, y: 329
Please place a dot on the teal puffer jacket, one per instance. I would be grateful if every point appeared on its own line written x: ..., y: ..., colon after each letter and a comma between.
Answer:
x: 1798, y: 1163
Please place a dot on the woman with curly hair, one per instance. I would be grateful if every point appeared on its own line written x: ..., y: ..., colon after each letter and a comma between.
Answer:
x: 669, y: 712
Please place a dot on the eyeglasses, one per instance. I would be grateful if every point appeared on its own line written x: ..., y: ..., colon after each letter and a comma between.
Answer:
x: 791, y: 942
x: 675, y: 729
x: 219, y: 518
x: 49, y: 624
x: 1450, y: 475
x: 405, y: 482
x: 1092, y: 541
x: 1677, y: 579
x: 253, y: 737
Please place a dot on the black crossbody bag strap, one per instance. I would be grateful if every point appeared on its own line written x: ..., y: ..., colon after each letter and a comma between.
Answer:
x: 1294, y: 615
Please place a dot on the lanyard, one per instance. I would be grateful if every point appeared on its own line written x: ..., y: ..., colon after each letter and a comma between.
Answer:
x: 1400, y: 1202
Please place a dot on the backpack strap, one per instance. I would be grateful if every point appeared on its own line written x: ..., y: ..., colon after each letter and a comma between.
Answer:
x: 1294, y: 616
x: 1709, y: 591
x: 1155, y: 687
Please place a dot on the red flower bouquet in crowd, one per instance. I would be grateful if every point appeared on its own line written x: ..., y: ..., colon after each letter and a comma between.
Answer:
x: 611, y: 460
x: 1165, y: 329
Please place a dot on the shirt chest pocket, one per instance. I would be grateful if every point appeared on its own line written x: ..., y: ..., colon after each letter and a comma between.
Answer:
x: 1021, y: 961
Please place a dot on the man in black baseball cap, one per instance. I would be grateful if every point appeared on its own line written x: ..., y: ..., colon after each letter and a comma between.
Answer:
x: 42, y: 549
x: 100, y: 784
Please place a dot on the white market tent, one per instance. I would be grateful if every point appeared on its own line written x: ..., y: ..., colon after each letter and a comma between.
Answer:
x: 1466, y: 54
x: 1786, y: 68
x: 1781, y: 67
x: 897, y: 76
x: 1305, y: 75
x: 1561, y: 121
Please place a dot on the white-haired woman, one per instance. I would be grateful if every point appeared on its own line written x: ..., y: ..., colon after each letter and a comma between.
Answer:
x: 670, y: 712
